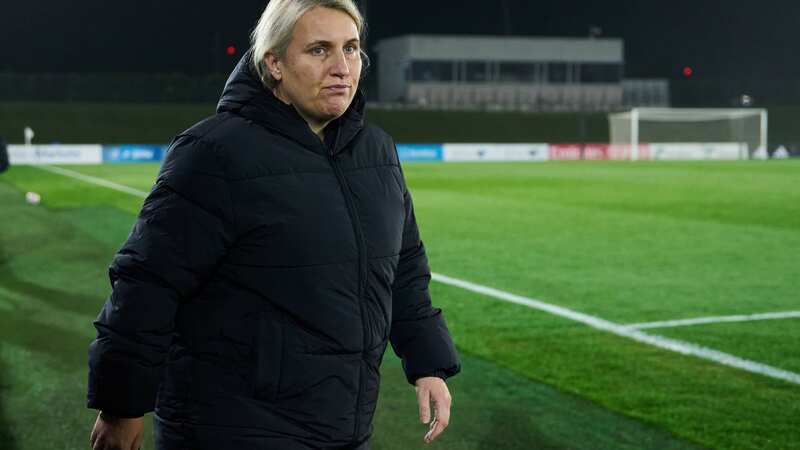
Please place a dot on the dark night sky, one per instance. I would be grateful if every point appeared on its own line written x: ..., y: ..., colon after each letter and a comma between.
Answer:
x: 742, y: 39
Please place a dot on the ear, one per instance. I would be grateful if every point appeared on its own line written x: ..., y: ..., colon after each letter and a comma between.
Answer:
x: 273, y: 66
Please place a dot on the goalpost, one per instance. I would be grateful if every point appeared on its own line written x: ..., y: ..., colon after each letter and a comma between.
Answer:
x: 690, y: 133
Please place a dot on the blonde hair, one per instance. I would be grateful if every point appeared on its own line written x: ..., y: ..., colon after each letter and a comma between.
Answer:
x: 273, y: 33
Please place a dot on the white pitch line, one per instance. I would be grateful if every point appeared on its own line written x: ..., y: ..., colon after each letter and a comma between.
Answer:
x: 93, y: 180
x: 718, y: 319
x: 674, y: 345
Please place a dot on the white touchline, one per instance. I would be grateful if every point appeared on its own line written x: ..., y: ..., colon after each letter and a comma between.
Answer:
x: 93, y: 180
x: 674, y: 345
x: 719, y: 319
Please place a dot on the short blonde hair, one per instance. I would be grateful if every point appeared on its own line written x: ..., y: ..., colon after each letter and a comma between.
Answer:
x: 273, y: 33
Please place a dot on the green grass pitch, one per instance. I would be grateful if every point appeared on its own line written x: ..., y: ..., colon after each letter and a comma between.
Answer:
x: 626, y: 242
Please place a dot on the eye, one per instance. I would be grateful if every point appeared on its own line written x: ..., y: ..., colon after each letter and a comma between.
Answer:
x: 350, y: 49
x: 317, y: 51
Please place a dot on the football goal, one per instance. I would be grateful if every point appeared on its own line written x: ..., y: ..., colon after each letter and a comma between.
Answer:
x: 690, y: 133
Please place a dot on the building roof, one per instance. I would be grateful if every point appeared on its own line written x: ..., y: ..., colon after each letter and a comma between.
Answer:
x: 503, y: 48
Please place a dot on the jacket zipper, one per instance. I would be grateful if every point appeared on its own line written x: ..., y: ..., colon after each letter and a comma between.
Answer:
x: 362, y: 267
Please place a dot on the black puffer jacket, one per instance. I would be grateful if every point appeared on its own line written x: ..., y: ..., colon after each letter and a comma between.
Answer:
x: 259, y: 287
x: 4, y: 164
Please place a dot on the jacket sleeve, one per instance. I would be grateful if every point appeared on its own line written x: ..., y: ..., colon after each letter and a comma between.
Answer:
x: 419, y: 334
x: 183, y: 230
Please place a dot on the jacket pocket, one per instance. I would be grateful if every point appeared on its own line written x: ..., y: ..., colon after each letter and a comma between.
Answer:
x: 270, y: 343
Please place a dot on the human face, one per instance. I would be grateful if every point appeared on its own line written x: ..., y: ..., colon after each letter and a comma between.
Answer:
x: 320, y: 72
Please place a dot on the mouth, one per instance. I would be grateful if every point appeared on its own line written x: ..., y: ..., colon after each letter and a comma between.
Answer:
x: 337, y: 88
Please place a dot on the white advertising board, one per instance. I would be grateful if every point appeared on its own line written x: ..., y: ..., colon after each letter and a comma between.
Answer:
x: 55, y: 154
x: 698, y: 151
x: 496, y: 152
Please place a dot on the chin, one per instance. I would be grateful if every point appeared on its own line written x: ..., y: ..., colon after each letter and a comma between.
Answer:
x: 335, y: 110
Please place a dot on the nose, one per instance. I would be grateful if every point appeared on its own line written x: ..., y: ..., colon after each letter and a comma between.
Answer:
x: 340, y: 67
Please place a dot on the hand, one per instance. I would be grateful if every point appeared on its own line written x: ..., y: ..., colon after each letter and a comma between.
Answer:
x: 116, y: 433
x: 433, y: 389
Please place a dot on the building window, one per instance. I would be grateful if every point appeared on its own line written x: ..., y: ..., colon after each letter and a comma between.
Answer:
x: 600, y: 73
x: 431, y: 71
x: 513, y: 72
x: 557, y: 72
x: 477, y: 72
x: 518, y: 72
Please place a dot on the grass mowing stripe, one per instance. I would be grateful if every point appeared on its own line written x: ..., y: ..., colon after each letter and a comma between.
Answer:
x: 93, y: 180
x: 45, y: 313
x: 627, y: 266
x: 587, y: 258
x: 674, y: 345
x: 717, y: 319
x: 43, y: 363
x: 772, y: 342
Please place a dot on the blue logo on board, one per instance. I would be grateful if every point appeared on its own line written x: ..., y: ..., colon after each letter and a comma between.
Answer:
x: 133, y: 153
x: 420, y: 152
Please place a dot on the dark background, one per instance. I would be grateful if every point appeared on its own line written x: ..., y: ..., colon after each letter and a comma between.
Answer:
x: 748, y: 40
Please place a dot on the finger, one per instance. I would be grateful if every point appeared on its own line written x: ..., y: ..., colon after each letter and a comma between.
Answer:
x: 137, y: 443
x: 125, y: 444
x: 423, y: 398
x: 429, y: 435
x: 99, y: 442
x: 442, y: 413
x: 435, y: 431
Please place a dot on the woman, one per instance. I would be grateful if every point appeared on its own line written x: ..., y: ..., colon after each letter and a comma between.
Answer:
x: 275, y: 257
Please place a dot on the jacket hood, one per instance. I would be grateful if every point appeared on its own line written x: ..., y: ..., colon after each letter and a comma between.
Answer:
x: 244, y: 94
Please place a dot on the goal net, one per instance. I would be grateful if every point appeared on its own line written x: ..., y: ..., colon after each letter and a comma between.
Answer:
x: 689, y: 133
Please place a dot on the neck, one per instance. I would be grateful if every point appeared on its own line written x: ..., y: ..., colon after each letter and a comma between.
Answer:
x: 317, y: 127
